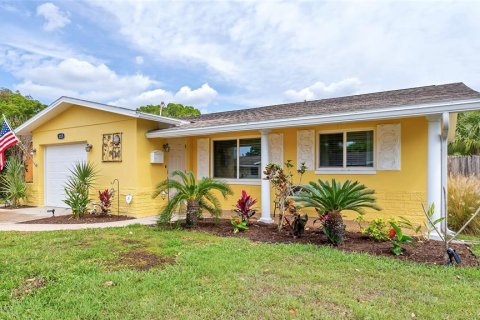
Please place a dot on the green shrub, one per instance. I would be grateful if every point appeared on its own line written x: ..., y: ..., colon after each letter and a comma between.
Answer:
x: 463, y: 201
x: 13, y: 186
x: 78, y: 186
x: 377, y: 230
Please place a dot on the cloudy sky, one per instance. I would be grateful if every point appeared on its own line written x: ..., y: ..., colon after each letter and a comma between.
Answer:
x: 228, y: 55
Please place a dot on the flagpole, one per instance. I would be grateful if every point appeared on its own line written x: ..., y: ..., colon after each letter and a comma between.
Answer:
x: 20, y: 143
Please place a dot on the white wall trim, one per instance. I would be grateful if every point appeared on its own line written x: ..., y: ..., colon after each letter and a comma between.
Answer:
x: 345, y: 171
x: 255, y: 182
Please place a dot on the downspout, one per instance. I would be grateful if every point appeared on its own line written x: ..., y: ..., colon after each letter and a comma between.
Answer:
x: 444, y: 167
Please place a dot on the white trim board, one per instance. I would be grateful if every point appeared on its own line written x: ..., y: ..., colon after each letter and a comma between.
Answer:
x: 64, y: 103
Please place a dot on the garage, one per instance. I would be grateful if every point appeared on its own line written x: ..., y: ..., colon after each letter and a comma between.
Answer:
x: 59, y: 160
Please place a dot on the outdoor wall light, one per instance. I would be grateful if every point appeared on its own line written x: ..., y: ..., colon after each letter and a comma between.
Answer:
x: 88, y: 147
x: 163, y: 195
x: 166, y: 147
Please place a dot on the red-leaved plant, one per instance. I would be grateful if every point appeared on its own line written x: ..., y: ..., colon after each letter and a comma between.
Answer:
x: 244, y: 206
x: 105, y: 197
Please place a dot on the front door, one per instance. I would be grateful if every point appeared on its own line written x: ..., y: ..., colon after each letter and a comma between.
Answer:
x: 176, y: 161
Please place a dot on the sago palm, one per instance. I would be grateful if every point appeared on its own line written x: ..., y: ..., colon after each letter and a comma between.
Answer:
x: 198, y: 195
x: 331, y: 198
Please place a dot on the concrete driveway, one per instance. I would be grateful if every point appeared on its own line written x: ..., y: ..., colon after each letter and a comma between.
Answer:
x: 10, y: 216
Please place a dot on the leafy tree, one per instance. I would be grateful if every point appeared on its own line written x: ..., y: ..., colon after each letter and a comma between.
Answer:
x: 172, y: 110
x: 18, y: 108
x: 467, y: 140
x: 197, y: 194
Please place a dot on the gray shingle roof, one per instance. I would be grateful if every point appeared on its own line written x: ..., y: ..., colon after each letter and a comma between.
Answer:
x: 362, y: 102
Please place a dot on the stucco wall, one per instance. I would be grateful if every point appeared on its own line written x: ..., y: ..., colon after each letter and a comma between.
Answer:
x: 398, y: 192
x: 135, y: 173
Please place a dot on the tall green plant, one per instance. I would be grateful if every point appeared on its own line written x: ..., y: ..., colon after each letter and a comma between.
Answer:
x: 197, y: 194
x: 467, y: 140
x: 331, y: 198
x: 13, y: 186
x: 77, y: 189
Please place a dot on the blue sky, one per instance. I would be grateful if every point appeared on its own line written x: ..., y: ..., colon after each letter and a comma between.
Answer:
x: 229, y: 55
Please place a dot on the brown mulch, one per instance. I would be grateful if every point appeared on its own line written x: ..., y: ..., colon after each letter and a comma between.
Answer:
x: 13, y: 207
x: 430, y: 252
x: 141, y: 260
x: 88, y: 218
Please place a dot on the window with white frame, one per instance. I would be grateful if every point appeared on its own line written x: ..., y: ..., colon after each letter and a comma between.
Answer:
x: 346, y: 149
x: 237, y: 158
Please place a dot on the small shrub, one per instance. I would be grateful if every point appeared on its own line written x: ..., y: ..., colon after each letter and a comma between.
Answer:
x: 81, y: 179
x: 244, y: 206
x: 105, y: 202
x: 397, y: 239
x: 377, y: 229
x: 14, y: 187
x: 463, y: 201
x: 238, y: 224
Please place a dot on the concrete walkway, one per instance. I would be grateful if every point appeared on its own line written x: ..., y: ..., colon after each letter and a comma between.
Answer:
x: 11, y: 220
x: 53, y: 227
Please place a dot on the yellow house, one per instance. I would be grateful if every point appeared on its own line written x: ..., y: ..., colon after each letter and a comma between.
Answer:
x: 394, y: 142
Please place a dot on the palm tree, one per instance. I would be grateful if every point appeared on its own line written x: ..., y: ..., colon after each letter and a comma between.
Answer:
x: 467, y: 141
x: 331, y: 198
x: 197, y: 194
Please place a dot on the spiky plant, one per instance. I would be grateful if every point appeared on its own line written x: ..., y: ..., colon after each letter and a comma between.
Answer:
x: 331, y: 198
x: 13, y: 185
x: 77, y: 189
x: 467, y: 141
x: 197, y: 194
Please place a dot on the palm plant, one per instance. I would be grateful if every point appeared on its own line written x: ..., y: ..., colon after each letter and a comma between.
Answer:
x: 331, y: 198
x: 467, y: 141
x: 13, y: 185
x: 197, y: 194
x: 77, y: 188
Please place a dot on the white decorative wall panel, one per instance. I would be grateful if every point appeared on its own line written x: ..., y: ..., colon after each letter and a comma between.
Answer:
x: 275, y: 152
x: 203, y: 155
x: 306, y: 148
x: 388, y: 146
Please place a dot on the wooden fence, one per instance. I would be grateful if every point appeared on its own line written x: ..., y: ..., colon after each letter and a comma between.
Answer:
x: 464, y: 165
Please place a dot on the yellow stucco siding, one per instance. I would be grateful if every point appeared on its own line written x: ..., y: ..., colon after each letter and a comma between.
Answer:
x: 135, y: 173
x: 398, y: 192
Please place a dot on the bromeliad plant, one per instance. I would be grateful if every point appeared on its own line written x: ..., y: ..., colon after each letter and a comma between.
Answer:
x: 329, y: 199
x: 239, y: 224
x: 397, y: 239
x: 244, y: 207
x: 82, y: 178
x: 197, y: 194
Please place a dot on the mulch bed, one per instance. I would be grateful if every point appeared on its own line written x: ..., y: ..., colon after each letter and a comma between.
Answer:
x: 430, y: 252
x: 88, y: 218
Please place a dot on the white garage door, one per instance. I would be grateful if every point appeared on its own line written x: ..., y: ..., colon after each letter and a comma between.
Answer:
x: 59, y: 160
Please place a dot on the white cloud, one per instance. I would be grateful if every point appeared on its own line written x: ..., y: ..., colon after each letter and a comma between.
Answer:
x: 263, y: 49
x: 200, y: 97
x: 139, y: 60
x: 320, y: 90
x: 54, y: 17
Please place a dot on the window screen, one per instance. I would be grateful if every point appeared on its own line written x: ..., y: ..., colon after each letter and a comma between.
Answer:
x: 250, y: 159
x: 331, y: 150
x: 360, y: 149
x: 225, y: 159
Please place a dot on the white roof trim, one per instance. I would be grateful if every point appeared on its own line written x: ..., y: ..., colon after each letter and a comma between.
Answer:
x: 375, y: 114
x: 44, y: 115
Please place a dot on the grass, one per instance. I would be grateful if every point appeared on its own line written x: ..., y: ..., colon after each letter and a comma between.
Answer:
x: 215, y: 277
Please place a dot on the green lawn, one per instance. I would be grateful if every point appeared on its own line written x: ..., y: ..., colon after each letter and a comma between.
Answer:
x: 215, y: 278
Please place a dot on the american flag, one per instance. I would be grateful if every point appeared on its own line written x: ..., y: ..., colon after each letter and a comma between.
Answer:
x: 7, y: 139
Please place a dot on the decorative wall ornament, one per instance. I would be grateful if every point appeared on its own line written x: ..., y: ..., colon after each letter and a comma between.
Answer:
x: 112, y: 147
x: 388, y: 146
x: 275, y: 152
x: 306, y: 148
x: 203, y: 155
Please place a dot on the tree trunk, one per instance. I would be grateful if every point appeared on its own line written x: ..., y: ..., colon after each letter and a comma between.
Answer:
x: 334, y: 227
x: 192, y: 213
